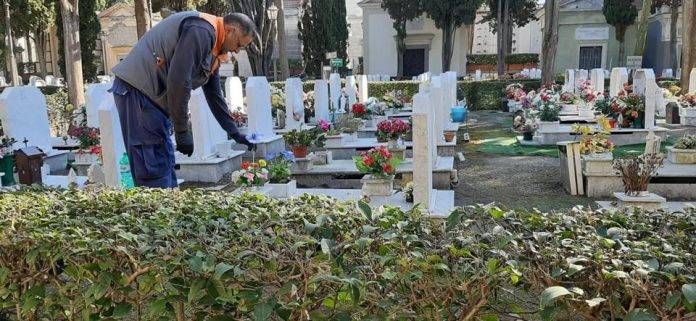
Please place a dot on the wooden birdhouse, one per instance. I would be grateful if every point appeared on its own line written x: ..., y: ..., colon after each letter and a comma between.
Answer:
x: 28, y: 161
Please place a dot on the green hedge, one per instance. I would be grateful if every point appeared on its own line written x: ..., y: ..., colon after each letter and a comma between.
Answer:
x: 479, y: 95
x: 197, y: 255
x: 492, y: 59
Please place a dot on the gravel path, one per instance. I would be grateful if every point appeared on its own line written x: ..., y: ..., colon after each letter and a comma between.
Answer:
x: 512, y: 181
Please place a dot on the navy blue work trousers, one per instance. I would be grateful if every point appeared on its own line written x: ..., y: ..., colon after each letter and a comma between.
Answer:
x: 147, y: 136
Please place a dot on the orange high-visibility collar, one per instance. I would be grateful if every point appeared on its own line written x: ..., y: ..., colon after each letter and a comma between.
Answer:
x: 219, y: 25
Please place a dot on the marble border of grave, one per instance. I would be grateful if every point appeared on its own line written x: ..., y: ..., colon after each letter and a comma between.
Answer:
x: 619, y: 136
x: 687, y: 116
x: 344, y: 174
x: 673, y: 181
x: 370, y: 132
x: 350, y: 149
x: 210, y: 170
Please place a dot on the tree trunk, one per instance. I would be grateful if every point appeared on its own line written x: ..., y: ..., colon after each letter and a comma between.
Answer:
x: 642, y: 28
x: 448, y: 32
x: 14, y: 73
x: 73, y: 53
x: 27, y: 38
x: 621, y: 37
x: 500, y: 37
x: 41, y: 51
x: 550, y: 42
x: 400, y: 46
x: 142, y: 17
x: 688, y: 42
x: 508, y: 31
x: 282, y: 55
x: 674, y: 17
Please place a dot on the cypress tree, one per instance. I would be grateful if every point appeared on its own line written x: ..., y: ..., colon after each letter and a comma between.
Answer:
x: 323, y: 29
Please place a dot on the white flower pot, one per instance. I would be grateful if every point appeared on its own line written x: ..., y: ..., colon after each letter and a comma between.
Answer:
x: 286, y: 190
x: 566, y: 108
x: 548, y: 126
x: 334, y: 141
x: 86, y: 158
x: 681, y: 156
x: 377, y: 186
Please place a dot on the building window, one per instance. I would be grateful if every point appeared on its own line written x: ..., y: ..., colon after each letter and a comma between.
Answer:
x: 590, y: 57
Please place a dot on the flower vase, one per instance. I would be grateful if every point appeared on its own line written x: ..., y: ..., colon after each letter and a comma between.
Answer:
x: 377, y: 186
x: 282, y: 190
x: 449, y: 136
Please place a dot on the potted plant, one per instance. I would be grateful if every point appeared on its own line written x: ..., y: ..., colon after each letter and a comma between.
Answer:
x: 587, y: 94
x: 408, y: 192
x: 348, y: 125
x: 360, y: 111
x: 688, y: 110
x: 394, y: 100
x: 7, y: 160
x: 300, y: 140
x: 548, y: 117
x: 88, y: 141
x: 631, y: 109
x: 568, y: 102
x: 683, y: 151
x: 636, y: 173
x: 379, y: 167
x: 333, y: 137
x: 252, y: 175
x: 279, y: 175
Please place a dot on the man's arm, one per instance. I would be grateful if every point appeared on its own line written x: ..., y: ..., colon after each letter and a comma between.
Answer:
x: 193, y: 47
x: 218, y: 105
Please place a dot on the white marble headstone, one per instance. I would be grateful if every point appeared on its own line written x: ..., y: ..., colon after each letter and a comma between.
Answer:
x: 260, y: 119
x: 644, y: 84
x: 3, y: 82
x: 619, y: 76
x: 111, y: 140
x: 692, y: 81
x: 477, y: 76
x: 363, y: 89
x: 422, y: 140
x: 94, y: 95
x: 351, y: 89
x: 234, y: 93
x: 207, y: 133
x: 423, y: 105
x: 24, y: 114
x: 294, y: 105
x: 335, y: 90
x: 569, y: 81
x: 50, y: 80
x: 597, y: 77
x: 451, y: 91
x: 437, y: 103
x: 667, y: 73
x: 321, y: 100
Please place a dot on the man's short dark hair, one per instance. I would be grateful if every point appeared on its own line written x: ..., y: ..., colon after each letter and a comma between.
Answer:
x: 243, y: 21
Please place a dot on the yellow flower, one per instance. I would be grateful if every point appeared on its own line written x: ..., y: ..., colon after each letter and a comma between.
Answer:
x: 604, y: 124
x: 262, y: 163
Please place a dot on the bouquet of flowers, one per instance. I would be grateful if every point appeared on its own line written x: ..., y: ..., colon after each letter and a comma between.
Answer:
x: 277, y: 100
x: 251, y: 174
x: 587, y: 92
x: 511, y: 90
x: 686, y: 142
x: 688, y: 101
x: 239, y: 118
x: 87, y: 138
x: 568, y: 98
x: 360, y: 111
x: 378, y: 162
x: 394, y: 99
x: 631, y: 108
x: 279, y: 167
x: 594, y: 140
x: 392, y: 129
x: 376, y: 107
x: 326, y: 127
x: 548, y: 112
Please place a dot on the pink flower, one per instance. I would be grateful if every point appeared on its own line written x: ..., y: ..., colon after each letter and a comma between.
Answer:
x: 249, y: 176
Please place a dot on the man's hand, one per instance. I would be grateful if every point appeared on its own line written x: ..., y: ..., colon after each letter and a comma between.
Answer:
x: 239, y: 138
x: 184, y: 142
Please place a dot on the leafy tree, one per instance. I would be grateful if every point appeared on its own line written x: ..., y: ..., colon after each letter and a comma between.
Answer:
x: 216, y: 7
x: 402, y: 11
x: 620, y: 14
x: 449, y: 15
x: 323, y: 29
x: 515, y: 13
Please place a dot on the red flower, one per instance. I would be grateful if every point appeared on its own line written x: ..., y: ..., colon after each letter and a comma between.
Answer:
x: 384, y: 152
x: 368, y: 160
x: 95, y: 150
x: 245, y: 165
x: 388, y: 168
